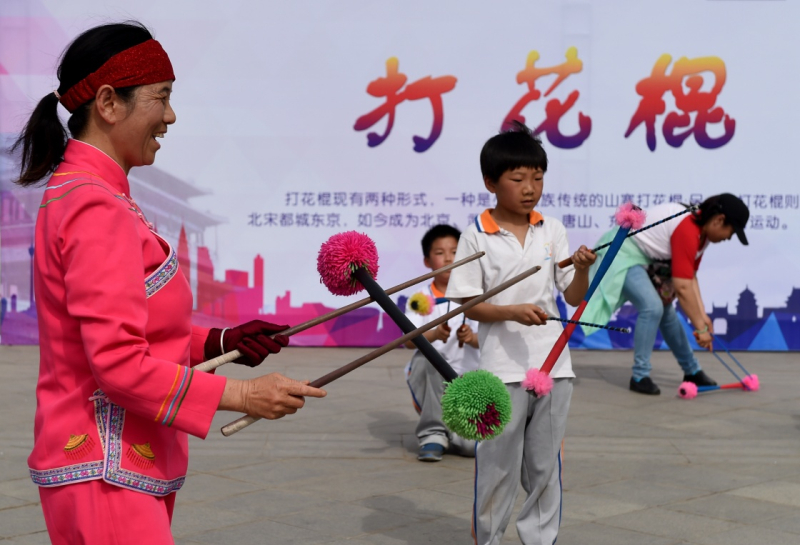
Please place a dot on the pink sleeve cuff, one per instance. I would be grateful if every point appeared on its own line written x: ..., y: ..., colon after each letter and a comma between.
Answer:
x: 199, y: 336
x: 196, y: 404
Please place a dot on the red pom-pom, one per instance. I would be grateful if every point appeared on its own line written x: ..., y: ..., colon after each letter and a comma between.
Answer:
x: 630, y: 216
x: 340, y: 256
x: 687, y: 390
x: 751, y: 383
x: 540, y: 383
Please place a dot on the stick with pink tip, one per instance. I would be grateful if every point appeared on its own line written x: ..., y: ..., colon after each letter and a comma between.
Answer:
x: 689, y: 390
x: 235, y: 354
x: 748, y: 383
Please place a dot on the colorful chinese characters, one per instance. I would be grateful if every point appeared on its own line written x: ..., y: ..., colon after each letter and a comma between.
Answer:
x: 554, y: 109
x: 390, y: 89
x: 685, y: 83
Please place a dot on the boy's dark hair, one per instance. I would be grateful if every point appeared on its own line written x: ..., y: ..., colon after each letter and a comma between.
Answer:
x: 436, y: 232
x: 516, y: 146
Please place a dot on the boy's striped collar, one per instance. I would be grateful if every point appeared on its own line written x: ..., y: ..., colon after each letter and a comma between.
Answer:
x: 486, y: 224
x: 435, y: 291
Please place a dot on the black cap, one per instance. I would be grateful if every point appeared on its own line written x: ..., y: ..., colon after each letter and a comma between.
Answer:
x: 736, y: 214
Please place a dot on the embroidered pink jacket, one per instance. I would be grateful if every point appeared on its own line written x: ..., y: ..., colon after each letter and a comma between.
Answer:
x: 116, y: 394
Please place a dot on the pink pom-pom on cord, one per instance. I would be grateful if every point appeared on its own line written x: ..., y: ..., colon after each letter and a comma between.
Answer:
x: 751, y: 383
x: 540, y: 383
x: 630, y: 216
x: 687, y: 390
x: 340, y: 255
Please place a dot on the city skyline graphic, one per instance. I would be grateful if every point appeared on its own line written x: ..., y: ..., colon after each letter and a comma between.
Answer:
x: 235, y: 296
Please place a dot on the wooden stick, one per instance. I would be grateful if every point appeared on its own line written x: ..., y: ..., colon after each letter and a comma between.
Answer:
x: 245, y: 421
x: 463, y: 323
x: 567, y: 262
x: 235, y: 354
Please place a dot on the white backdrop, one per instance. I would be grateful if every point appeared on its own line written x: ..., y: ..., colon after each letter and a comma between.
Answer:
x: 267, y: 95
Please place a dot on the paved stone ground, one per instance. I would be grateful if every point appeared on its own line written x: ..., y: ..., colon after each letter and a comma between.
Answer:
x: 721, y: 469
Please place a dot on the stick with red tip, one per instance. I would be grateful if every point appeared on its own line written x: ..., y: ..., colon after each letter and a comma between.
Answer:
x: 628, y: 217
x: 567, y: 262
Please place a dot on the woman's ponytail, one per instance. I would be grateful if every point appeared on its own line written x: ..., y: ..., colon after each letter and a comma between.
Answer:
x: 42, y: 142
x: 44, y: 139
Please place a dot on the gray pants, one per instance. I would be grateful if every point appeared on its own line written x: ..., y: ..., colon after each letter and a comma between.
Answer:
x: 427, y: 387
x: 528, y: 451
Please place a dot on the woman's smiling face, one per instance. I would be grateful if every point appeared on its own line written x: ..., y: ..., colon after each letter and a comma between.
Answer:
x: 134, y: 137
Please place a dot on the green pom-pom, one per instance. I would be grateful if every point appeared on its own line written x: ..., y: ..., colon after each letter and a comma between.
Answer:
x: 476, y: 405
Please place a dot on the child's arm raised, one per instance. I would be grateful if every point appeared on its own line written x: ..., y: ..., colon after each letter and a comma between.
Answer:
x: 582, y: 259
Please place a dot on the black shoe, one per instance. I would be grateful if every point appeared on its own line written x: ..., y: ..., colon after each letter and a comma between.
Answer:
x: 700, y: 378
x: 645, y: 386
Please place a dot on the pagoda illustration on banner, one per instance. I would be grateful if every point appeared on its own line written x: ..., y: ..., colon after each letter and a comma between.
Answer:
x: 235, y: 298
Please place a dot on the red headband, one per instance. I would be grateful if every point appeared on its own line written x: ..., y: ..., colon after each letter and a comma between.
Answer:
x: 141, y: 64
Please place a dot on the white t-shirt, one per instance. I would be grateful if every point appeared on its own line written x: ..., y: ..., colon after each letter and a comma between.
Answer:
x: 509, y: 349
x: 461, y: 359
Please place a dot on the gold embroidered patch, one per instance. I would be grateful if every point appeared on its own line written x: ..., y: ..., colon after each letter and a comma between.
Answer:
x: 141, y: 455
x: 78, y: 446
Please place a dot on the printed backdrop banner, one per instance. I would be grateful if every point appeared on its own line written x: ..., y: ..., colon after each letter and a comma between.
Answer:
x: 299, y: 120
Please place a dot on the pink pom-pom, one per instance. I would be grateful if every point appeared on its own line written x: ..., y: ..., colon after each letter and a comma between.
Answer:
x: 751, y: 383
x: 687, y: 390
x: 340, y: 256
x: 539, y: 382
x: 630, y: 216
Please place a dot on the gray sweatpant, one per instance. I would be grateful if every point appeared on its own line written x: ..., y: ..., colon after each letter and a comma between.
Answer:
x: 427, y: 387
x: 528, y: 451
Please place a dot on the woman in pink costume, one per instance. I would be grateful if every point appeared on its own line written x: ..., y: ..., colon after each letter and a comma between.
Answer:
x: 117, y: 395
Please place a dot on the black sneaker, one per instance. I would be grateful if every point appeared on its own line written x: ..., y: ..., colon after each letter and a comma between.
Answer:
x: 645, y: 386
x: 700, y: 378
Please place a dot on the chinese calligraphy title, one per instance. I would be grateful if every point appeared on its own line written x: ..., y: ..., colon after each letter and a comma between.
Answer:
x: 696, y: 107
